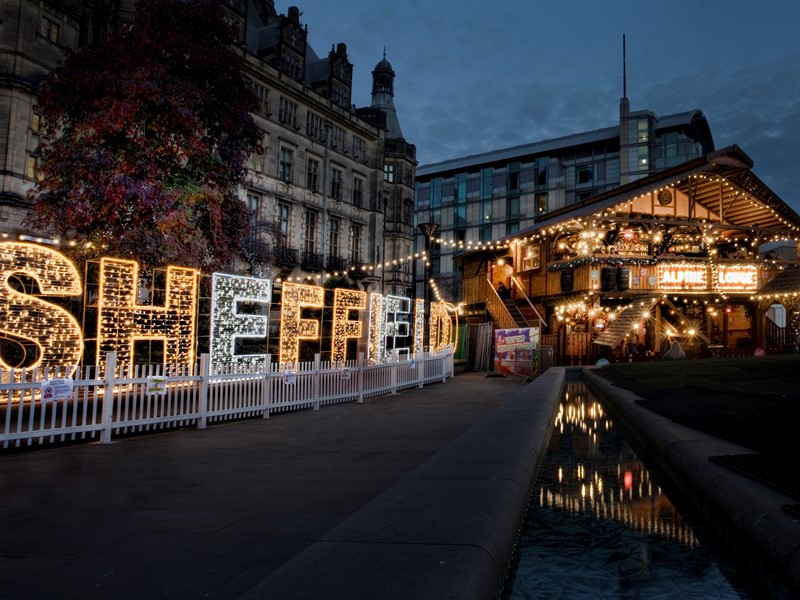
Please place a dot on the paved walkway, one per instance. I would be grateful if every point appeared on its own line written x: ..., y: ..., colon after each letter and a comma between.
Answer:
x: 209, y: 514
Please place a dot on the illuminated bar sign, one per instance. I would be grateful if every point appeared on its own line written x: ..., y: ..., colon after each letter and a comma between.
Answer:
x: 738, y: 277
x: 694, y: 277
x: 682, y: 277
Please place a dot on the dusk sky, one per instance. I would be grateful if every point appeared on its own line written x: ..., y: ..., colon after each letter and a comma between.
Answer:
x: 473, y: 76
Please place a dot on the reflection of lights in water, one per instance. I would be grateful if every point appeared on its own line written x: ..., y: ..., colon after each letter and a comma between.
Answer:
x: 584, y: 483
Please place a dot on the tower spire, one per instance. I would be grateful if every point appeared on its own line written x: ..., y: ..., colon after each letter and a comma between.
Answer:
x: 382, y: 93
x: 624, y: 69
x: 624, y: 103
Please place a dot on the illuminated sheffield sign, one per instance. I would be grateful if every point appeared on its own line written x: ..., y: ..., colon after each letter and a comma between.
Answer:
x: 229, y: 323
x: 122, y: 321
x: 55, y: 332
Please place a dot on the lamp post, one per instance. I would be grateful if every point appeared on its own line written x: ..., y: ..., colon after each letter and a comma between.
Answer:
x: 383, y: 241
x: 427, y: 229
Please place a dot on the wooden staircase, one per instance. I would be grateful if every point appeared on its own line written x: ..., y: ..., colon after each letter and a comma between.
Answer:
x: 523, y: 315
x: 617, y: 329
x: 774, y: 337
x: 516, y: 314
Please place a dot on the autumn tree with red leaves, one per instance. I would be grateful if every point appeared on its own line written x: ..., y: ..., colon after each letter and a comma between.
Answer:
x: 153, y: 133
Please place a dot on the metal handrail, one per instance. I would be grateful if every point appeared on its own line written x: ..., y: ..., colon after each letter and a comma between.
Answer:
x: 516, y: 282
x: 497, y: 307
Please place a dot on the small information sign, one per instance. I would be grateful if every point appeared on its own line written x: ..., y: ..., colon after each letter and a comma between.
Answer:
x: 290, y: 377
x: 156, y: 385
x: 54, y: 390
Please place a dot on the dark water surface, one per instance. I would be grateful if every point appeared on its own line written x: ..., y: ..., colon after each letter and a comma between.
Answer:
x: 600, y: 526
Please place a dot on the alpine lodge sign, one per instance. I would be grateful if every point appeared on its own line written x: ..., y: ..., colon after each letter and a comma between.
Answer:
x: 701, y: 277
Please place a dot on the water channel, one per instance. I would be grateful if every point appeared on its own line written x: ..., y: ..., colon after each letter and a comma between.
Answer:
x: 601, y: 526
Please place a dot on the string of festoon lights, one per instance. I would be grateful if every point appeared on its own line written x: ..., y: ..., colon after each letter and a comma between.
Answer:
x: 590, y: 232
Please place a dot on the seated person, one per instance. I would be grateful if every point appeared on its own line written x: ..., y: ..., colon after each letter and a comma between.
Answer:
x: 675, y: 352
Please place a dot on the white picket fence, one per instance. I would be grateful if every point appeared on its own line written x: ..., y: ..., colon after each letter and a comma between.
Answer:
x: 102, y: 408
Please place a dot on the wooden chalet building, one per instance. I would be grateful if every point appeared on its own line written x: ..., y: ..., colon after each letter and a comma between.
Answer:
x: 672, y: 256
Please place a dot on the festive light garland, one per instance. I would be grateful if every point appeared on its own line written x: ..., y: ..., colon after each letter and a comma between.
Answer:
x: 121, y: 321
x: 229, y: 325
x: 343, y: 327
x: 52, y: 329
x: 698, y: 219
x: 441, y: 327
x: 618, y: 261
x: 294, y: 297
x: 389, y: 327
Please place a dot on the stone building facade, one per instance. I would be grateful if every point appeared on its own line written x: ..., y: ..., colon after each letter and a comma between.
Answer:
x: 333, y: 192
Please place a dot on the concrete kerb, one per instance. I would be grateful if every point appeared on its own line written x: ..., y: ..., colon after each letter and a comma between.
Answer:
x: 744, y: 514
x: 446, y: 530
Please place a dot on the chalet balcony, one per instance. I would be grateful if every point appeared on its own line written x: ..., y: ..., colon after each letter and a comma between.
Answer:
x: 658, y: 275
x: 312, y: 261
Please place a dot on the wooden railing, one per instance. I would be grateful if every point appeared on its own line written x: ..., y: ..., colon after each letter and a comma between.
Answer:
x: 497, y: 308
x: 572, y: 348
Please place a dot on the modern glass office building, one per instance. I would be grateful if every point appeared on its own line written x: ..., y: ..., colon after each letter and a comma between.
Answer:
x: 477, y: 199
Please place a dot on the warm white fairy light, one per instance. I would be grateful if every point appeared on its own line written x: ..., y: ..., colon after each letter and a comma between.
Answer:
x: 55, y: 332
x: 229, y: 325
x: 374, y: 342
x: 737, y: 277
x: 682, y: 276
x: 294, y: 297
x: 441, y: 329
x: 397, y: 311
x: 345, y: 328
x: 389, y: 326
x: 419, y: 327
x: 121, y: 321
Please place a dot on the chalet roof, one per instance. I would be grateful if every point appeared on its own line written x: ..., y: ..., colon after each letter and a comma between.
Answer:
x: 748, y: 202
x: 786, y: 282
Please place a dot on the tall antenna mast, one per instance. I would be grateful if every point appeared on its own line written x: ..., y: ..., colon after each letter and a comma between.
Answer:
x: 624, y: 70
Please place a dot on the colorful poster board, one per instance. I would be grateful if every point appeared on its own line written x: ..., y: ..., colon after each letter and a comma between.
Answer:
x: 516, y: 351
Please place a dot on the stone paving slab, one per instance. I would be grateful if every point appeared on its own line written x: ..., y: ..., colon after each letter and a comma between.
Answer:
x: 447, y: 529
x: 209, y: 514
